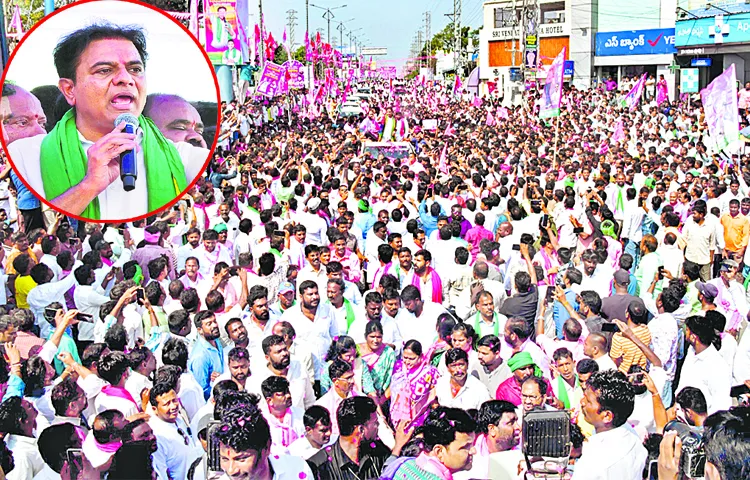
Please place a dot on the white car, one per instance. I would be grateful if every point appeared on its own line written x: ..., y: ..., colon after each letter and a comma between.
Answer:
x: 390, y: 150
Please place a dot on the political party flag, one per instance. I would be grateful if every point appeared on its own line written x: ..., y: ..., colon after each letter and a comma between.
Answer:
x: 308, y: 54
x: 285, y: 42
x: 550, y: 101
x: 477, y: 102
x: 490, y: 121
x: 193, y: 25
x: 634, y: 95
x: 720, y: 103
x: 457, y: 86
x: 603, y: 148
x: 619, y: 134
x: 502, y: 112
x: 443, y: 165
x: 258, y: 51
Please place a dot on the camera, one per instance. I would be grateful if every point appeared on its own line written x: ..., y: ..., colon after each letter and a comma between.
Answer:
x: 693, y: 458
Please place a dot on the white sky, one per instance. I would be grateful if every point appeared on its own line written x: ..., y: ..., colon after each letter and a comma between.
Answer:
x: 175, y: 63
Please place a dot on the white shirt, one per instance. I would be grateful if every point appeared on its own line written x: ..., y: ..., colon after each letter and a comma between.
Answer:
x: 617, y: 454
x: 708, y: 372
x: 173, y: 458
x: 28, y: 460
x: 302, y: 448
x: 472, y: 395
x: 319, y: 333
x: 114, y: 201
x: 88, y: 299
x: 135, y: 383
x: 300, y: 385
x: 106, y: 402
x: 42, y: 295
x: 422, y: 328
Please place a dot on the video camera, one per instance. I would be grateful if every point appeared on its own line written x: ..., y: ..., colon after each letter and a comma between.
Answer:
x: 693, y: 458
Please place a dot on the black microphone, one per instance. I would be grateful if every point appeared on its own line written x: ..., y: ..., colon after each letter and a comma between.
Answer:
x: 128, y: 158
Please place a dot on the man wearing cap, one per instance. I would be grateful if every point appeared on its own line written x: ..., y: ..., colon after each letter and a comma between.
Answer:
x: 730, y: 298
x: 707, y: 293
x: 616, y: 306
x: 286, y: 299
x: 316, y: 225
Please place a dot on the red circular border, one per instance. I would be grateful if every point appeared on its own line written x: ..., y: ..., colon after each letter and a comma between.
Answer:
x: 211, y: 151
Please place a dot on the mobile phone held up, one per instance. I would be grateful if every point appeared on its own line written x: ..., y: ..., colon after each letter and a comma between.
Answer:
x: 610, y: 327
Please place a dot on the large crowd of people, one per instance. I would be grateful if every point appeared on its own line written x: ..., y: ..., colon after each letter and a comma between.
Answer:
x: 313, y: 310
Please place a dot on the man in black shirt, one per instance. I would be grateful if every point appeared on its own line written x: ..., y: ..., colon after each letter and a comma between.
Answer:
x: 358, y: 454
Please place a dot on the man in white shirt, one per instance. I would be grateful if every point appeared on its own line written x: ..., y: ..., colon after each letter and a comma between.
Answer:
x: 20, y: 421
x: 186, y: 251
x: 91, y: 124
x: 312, y: 320
x: 595, y: 347
x: 418, y: 320
x: 459, y: 389
x: 704, y: 367
x: 114, y: 368
x: 615, y: 452
x: 88, y: 298
x: 284, y: 420
x: 177, y: 449
x: 317, y: 422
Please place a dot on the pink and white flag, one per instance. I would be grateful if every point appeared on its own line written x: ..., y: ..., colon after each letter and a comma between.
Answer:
x: 633, y: 97
x: 550, y: 101
x: 619, y: 134
x: 490, y: 121
x: 443, y: 165
x: 720, y: 103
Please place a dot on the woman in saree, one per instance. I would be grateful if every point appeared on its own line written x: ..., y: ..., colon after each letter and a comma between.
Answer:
x: 345, y: 348
x: 412, y: 386
x: 379, y: 359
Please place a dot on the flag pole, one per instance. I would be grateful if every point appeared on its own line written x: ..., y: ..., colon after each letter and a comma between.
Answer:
x: 557, y: 136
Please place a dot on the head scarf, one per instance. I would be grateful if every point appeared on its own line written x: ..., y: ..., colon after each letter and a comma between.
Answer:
x: 521, y: 360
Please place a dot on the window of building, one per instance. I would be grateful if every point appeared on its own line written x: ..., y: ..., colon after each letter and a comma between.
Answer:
x: 504, y: 18
x: 553, y: 12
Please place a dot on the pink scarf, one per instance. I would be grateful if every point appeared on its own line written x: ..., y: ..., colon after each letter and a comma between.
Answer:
x: 437, y: 291
x: 288, y: 435
x: 433, y: 465
x: 120, y: 392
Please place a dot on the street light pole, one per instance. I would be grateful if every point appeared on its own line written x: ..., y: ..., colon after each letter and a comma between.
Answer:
x: 328, y: 15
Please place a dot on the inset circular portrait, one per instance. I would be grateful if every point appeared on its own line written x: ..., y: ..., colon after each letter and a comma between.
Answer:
x: 109, y: 110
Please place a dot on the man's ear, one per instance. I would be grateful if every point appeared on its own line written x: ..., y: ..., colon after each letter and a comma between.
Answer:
x: 66, y: 87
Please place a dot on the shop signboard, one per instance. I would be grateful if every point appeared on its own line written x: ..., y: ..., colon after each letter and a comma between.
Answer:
x: 636, y: 42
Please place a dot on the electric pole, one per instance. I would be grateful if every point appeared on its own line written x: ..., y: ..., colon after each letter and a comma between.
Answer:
x: 262, y: 36
x: 420, y: 44
x: 458, y: 60
x: 340, y: 28
x: 428, y: 44
x: 291, y: 22
x: 307, y: 18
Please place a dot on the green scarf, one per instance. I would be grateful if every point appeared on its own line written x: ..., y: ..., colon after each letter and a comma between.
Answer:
x: 349, y: 314
x: 620, y: 205
x: 63, y: 164
x: 495, y: 328
x: 563, y: 393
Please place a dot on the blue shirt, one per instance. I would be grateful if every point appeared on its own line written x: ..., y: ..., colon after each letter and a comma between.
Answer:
x: 217, y: 178
x: 26, y: 200
x: 632, y: 286
x: 205, y: 359
x: 560, y: 314
x: 429, y: 223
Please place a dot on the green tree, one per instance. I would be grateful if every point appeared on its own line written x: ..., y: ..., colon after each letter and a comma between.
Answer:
x: 299, y: 54
x: 280, y: 56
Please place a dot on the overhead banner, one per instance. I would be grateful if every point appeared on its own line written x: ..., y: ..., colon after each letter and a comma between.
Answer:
x: 271, y: 80
x: 226, y: 38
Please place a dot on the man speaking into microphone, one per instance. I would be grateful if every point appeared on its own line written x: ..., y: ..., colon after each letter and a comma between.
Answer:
x: 104, y: 160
